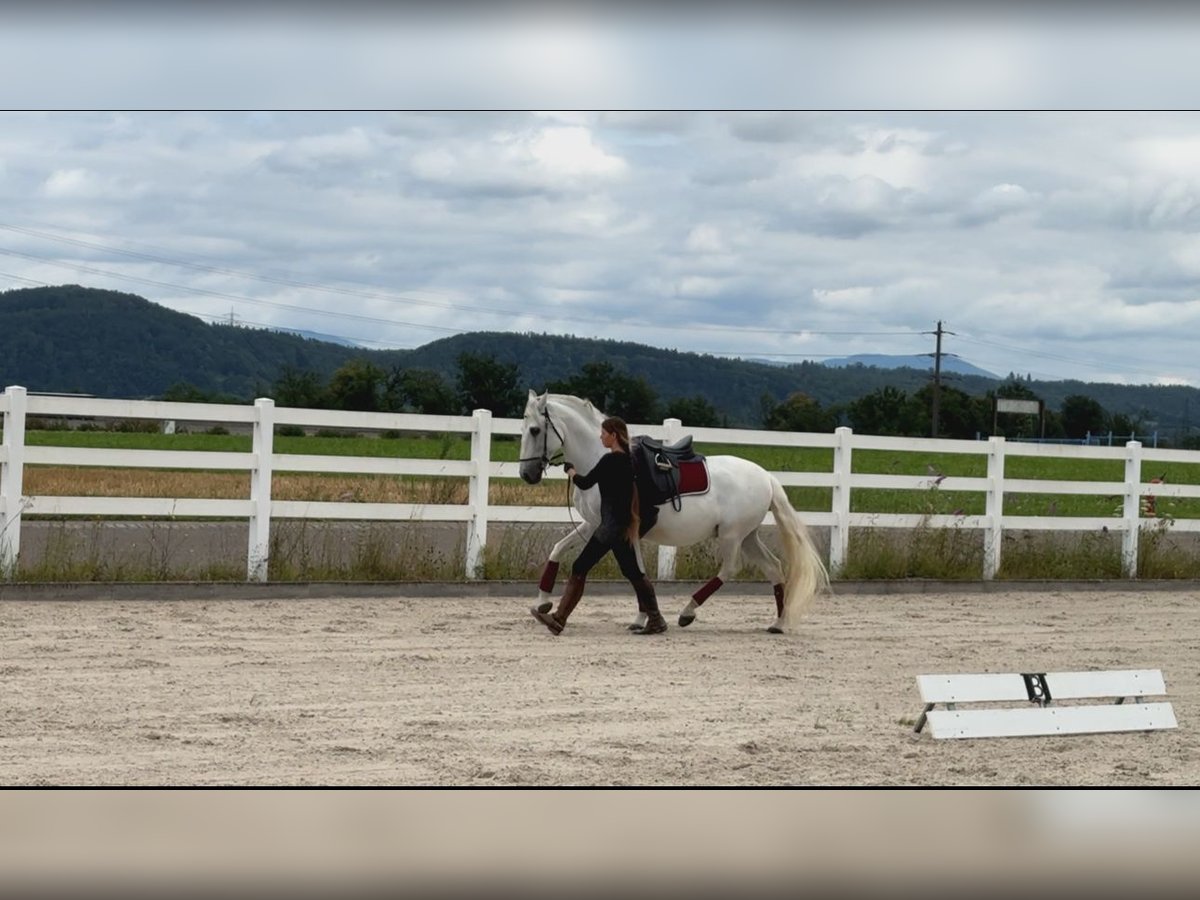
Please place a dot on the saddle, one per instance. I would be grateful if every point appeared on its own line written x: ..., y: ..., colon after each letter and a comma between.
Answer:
x: 664, y: 473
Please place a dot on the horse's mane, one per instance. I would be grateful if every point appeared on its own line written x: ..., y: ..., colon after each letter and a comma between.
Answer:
x: 580, y: 403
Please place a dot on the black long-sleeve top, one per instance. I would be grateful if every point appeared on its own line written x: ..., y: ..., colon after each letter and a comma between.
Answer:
x: 614, y: 474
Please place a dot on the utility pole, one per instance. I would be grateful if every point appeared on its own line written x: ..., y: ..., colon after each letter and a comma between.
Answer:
x: 937, y: 377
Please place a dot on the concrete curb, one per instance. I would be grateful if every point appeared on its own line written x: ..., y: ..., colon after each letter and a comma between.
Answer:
x: 526, y: 590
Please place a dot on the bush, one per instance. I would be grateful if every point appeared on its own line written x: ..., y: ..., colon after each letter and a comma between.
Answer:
x: 137, y: 426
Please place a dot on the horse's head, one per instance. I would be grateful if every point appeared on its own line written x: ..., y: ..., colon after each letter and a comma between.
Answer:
x: 541, y: 441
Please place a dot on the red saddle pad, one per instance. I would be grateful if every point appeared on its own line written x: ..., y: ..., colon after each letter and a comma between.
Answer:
x: 693, y: 477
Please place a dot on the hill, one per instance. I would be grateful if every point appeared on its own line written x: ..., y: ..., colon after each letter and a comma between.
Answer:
x: 82, y: 340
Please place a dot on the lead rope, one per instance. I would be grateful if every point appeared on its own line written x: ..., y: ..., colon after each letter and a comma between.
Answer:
x: 561, y: 453
x: 570, y: 506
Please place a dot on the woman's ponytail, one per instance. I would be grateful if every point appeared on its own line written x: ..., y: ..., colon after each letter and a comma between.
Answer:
x: 618, y: 429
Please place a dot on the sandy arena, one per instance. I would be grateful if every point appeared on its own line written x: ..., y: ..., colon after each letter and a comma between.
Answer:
x: 471, y: 691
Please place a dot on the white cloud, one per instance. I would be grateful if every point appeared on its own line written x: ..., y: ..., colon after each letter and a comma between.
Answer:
x: 1072, y: 236
x: 705, y: 239
x: 69, y: 183
x: 1168, y: 157
x: 882, y: 156
x: 845, y: 299
x: 545, y: 158
x: 350, y: 146
x: 572, y: 152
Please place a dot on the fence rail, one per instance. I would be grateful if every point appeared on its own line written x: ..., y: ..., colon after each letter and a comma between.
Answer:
x: 262, y: 462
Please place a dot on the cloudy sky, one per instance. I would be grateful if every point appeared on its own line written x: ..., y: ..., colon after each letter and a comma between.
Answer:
x: 796, y: 187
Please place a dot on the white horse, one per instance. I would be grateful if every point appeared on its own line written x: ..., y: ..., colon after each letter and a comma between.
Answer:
x: 560, y: 427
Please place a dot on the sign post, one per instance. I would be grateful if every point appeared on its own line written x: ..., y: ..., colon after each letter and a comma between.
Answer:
x: 1021, y: 408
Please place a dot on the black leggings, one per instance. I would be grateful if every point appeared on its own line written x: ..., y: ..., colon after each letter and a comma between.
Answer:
x: 594, y: 551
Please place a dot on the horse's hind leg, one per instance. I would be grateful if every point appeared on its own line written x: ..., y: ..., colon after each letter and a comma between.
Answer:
x: 728, y: 550
x: 578, y: 535
x: 768, y: 563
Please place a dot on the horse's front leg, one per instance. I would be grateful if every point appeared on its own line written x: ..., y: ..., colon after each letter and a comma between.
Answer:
x: 578, y: 536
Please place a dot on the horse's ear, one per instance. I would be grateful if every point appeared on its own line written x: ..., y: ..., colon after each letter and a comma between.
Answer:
x: 532, y: 394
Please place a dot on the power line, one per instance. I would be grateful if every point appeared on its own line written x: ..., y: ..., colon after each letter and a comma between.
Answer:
x: 1058, y: 357
x: 23, y: 278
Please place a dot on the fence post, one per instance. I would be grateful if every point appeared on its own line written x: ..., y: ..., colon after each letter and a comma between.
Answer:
x: 258, y: 555
x: 839, y: 533
x: 477, y: 492
x: 11, y: 482
x: 1132, y: 508
x: 672, y: 429
x: 993, y: 534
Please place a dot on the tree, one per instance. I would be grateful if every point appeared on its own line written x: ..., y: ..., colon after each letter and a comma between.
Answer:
x: 634, y: 400
x: 485, y: 383
x: 614, y: 393
x: 422, y: 391
x: 357, y: 385
x: 1126, y: 425
x: 884, y: 411
x: 297, y: 388
x: 186, y: 392
x: 1015, y: 390
x: 695, y: 412
x: 1082, y: 416
x: 959, y: 415
x: 799, y: 412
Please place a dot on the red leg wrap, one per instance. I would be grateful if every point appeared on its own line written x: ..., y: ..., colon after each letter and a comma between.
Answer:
x: 707, y: 591
x: 779, y: 599
x: 549, y: 574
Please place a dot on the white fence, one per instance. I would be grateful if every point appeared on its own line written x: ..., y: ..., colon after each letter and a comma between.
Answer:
x: 260, y: 509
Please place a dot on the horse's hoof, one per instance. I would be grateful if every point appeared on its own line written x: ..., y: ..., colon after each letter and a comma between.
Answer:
x: 774, y: 629
x: 555, y: 626
x: 685, y: 621
x: 634, y: 626
x: 542, y: 607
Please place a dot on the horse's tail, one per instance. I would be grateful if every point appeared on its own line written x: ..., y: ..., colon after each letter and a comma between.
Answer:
x: 806, y: 574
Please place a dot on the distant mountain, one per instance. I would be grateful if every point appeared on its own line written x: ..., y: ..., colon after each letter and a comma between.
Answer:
x: 922, y: 362
x: 318, y: 336
x: 81, y: 340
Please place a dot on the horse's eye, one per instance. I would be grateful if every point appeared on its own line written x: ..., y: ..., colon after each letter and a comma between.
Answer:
x: 535, y: 431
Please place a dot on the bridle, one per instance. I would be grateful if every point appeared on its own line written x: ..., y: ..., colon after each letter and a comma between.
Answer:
x: 545, y: 458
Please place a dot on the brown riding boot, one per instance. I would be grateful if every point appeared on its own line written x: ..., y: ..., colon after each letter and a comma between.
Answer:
x: 572, y: 591
x: 648, y: 603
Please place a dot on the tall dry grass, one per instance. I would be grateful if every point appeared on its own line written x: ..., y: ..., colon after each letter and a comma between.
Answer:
x: 63, y: 481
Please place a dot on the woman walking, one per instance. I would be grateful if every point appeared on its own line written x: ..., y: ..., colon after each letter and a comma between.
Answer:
x: 617, y: 533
